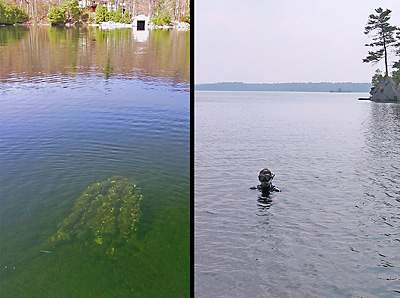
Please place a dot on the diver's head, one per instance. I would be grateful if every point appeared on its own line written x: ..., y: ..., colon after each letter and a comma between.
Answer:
x: 265, y: 175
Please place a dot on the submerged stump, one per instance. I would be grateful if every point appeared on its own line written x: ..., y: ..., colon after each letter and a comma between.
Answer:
x: 105, y: 216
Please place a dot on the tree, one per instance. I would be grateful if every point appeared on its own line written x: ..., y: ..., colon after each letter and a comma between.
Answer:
x: 126, y: 18
x: 396, y: 65
x: 72, y: 10
x: 68, y: 12
x: 56, y: 15
x: 101, y: 14
x: 377, y: 78
x: 10, y: 14
x: 396, y: 75
x: 382, y: 33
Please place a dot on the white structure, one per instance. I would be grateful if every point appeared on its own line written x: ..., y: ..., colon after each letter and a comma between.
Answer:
x: 140, y: 22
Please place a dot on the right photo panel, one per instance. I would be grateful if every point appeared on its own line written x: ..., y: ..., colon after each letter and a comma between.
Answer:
x: 297, y: 143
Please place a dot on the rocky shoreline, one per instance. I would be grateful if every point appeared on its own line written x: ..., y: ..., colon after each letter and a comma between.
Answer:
x: 386, y: 90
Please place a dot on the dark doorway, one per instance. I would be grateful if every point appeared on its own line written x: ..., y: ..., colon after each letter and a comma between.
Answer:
x: 140, y: 25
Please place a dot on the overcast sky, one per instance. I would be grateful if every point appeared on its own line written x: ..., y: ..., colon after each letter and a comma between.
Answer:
x: 285, y: 40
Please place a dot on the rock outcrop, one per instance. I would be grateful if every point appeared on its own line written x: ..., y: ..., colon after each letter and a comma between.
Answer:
x: 386, y: 91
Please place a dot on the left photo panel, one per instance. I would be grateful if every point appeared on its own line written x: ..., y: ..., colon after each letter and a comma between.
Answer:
x: 95, y: 148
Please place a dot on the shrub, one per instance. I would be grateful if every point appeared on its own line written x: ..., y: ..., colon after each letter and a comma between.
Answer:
x: 72, y: 10
x: 56, y: 15
x: 396, y: 75
x: 186, y: 19
x: 10, y: 14
x: 161, y: 20
x: 68, y: 12
x: 102, y: 14
x: 116, y: 16
x: 126, y: 18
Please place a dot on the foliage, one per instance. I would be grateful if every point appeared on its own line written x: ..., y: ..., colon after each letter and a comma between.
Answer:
x: 101, y: 14
x: 68, y: 12
x: 104, y: 216
x: 126, y: 18
x: 396, y: 75
x: 39, y: 10
x: 56, y: 15
x: 161, y: 20
x: 10, y: 14
x: 186, y: 19
x: 116, y: 16
x: 72, y: 10
x: 377, y: 78
x: 382, y: 33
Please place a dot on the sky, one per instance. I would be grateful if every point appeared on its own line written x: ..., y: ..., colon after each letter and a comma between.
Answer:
x: 266, y: 41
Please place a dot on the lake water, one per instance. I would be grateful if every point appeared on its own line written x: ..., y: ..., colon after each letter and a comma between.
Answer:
x: 78, y: 106
x: 332, y: 231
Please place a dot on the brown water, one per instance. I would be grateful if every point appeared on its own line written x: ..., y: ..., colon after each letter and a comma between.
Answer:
x: 43, y: 51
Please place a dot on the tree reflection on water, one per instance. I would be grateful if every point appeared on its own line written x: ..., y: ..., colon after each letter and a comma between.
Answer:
x: 43, y: 51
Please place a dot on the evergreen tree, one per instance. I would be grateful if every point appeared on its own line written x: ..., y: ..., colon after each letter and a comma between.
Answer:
x: 382, y: 33
x: 396, y: 65
x: 102, y: 14
x: 377, y: 78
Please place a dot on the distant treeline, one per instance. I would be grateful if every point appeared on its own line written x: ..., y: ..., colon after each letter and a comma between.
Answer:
x: 37, y: 11
x: 299, y: 87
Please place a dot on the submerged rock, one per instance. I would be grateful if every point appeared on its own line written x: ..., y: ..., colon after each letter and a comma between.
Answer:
x: 105, y: 215
x: 386, y: 91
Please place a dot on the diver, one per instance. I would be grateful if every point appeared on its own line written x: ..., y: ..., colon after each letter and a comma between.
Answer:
x: 266, y: 187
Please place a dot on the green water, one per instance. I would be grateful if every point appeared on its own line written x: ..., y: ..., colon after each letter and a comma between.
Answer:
x: 80, y: 106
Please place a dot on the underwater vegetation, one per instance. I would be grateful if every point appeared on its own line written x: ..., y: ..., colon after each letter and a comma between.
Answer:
x: 104, y: 216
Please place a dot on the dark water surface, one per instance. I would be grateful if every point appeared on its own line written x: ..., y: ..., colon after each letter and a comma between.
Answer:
x: 76, y: 107
x: 333, y: 231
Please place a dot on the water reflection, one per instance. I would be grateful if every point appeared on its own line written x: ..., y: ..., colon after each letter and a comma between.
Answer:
x: 43, y: 52
x: 11, y: 34
x: 141, y: 36
x: 334, y: 232
x: 380, y: 182
x: 263, y: 203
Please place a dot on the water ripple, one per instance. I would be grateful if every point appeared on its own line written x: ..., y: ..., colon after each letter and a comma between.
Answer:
x: 332, y: 231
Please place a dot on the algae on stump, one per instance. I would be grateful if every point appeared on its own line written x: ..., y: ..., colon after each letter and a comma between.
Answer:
x: 105, y: 215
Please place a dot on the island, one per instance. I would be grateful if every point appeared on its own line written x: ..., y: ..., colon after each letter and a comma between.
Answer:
x: 384, y: 37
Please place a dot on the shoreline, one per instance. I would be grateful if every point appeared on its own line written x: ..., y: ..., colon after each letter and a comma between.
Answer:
x: 177, y: 26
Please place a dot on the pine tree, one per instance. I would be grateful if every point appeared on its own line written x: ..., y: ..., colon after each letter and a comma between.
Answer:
x: 382, y: 33
x: 396, y: 65
x: 377, y: 78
